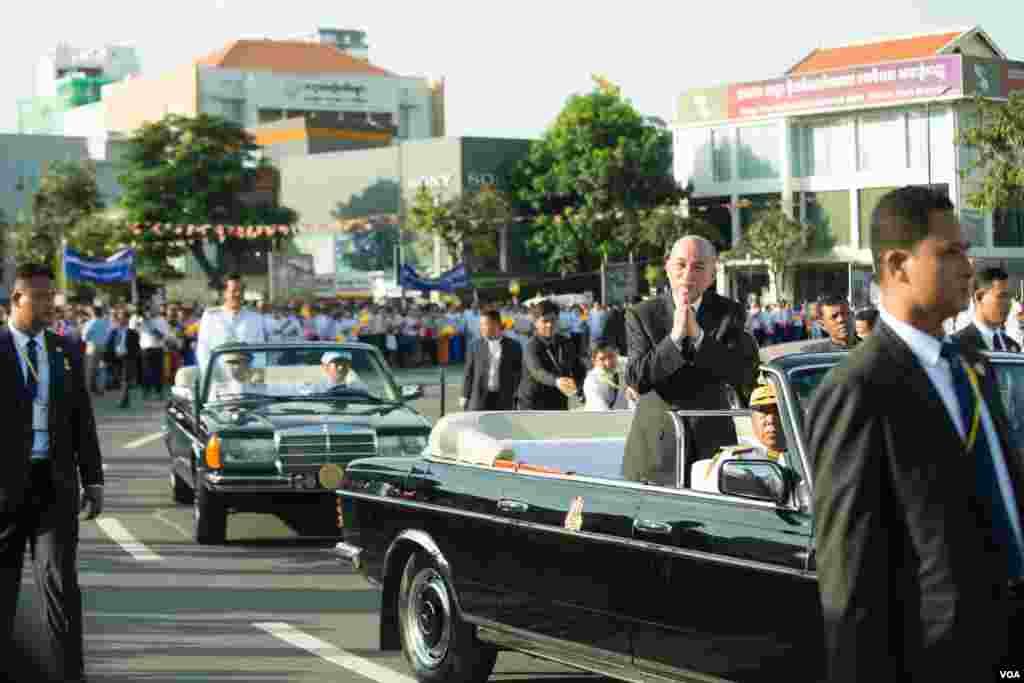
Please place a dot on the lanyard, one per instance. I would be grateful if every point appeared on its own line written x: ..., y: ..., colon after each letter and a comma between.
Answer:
x: 28, y: 363
x: 972, y: 436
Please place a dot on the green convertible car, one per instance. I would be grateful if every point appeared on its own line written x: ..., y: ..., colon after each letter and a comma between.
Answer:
x: 516, y: 531
x: 271, y: 427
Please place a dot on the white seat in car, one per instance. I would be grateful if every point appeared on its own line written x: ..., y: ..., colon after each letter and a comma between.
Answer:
x: 704, y: 475
x: 186, y: 376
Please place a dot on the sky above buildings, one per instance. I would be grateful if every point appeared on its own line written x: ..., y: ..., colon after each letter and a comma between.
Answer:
x: 509, y: 67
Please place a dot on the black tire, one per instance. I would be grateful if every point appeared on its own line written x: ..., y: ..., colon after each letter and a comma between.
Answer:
x: 181, y: 492
x: 439, y: 646
x: 209, y: 517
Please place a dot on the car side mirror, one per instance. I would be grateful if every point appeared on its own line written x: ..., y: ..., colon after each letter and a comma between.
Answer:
x: 755, y: 479
x: 412, y: 392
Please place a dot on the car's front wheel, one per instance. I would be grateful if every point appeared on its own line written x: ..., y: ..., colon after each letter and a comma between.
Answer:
x: 439, y: 646
x: 209, y: 516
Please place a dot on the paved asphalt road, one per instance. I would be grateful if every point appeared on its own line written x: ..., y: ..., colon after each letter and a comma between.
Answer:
x: 268, y: 606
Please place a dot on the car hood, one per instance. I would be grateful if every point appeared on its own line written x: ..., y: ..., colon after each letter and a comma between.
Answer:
x: 381, y: 418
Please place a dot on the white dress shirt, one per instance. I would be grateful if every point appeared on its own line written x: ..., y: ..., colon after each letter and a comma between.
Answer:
x: 41, y: 404
x: 494, y: 349
x: 599, y: 394
x: 219, y: 326
x: 146, y: 328
x: 926, y: 349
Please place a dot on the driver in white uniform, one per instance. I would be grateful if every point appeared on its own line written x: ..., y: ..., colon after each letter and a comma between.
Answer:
x: 236, y: 376
x: 337, y: 366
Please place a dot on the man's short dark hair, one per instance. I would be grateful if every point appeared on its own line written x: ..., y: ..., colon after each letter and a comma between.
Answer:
x: 233, y: 275
x: 868, y: 315
x: 27, y: 271
x: 900, y: 220
x: 493, y: 314
x: 985, y: 278
x: 543, y: 308
x: 832, y: 300
x: 602, y: 348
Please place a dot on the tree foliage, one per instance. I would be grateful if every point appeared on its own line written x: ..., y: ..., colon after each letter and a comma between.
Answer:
x: 589, y: 178
x: 998, y: 141
x: 776, y: 239
x: 194, y: 171
x: 663, y: 225
x: 467, y: 224
x: 67, y: 194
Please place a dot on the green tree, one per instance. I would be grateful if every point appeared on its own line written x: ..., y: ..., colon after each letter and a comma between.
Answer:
x: 67, y: 193
x: 998, y: 144
x: 776, y: 239
x: 466, y: 224
x: 589, y: 178
x: 195, y: 171
x: 661, y: 226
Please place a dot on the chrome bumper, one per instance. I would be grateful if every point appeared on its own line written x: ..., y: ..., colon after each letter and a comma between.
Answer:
x: 267, y: 483
x: 350, y: 554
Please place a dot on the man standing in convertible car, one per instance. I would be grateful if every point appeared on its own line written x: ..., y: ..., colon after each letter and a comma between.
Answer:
x: 685, y: 347
x: 917, y: 481
x: 52, y: 450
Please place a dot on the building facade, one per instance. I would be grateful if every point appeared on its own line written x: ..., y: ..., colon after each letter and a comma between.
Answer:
x: 829, y: 138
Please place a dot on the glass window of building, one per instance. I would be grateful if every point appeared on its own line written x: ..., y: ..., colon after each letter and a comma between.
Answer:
x: 868, y: 200
x: 973, y: 223
x: 752, y: 205
x: 716, y: 211
x: 829, y: 213
x: 1008, y: 228
x: 759, y: 151
x: 936, y: 125
x: 824, y: 147
x: 692, y: 155
x: 882, y: 141
x: 721, y: 154
x: 968, y: 155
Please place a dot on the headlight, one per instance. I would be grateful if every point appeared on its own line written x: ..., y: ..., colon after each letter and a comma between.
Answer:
x: 235, y: 450
x: 395, y: 445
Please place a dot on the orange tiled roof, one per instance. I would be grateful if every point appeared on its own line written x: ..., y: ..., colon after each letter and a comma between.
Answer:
x: 887, y: 50
x: 288, y: 56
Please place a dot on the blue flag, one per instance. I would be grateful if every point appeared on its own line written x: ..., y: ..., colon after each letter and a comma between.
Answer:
x: 449, y: 281
x: 118, y: 268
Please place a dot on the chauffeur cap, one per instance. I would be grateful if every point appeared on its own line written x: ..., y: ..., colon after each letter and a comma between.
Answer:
x: 332, y: 356
x: 763, y: 395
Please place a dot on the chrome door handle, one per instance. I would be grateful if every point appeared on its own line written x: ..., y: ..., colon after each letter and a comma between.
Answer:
x: 506, y: 505
x: 648, y: 527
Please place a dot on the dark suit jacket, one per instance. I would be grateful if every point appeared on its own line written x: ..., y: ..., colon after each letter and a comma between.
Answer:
x: 543, y: 364
x: 910, y: 578
x: 692, y: 379
x: 971, y: 336
x: 478, y: 364
x: 131, y: 343
x: 614, y: 333
x: 74, y: 446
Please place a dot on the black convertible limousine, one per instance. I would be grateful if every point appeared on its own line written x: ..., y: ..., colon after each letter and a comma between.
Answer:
x: 516, y: 531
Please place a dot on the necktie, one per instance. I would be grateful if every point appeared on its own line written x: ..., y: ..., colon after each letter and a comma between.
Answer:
x: 32, y: 354
x: 985, y: 470
x: 997, y: 342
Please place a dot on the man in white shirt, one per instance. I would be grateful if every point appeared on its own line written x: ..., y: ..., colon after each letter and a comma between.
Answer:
x: 229, y: 323
x: 595, y: 322
x: 916, y: 506
x: 338, y: 369
x: 153, y: 332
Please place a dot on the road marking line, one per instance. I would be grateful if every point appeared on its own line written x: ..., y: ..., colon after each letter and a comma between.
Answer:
x: 159, y: 514
x: 123, y: 538
x: 332, y: 654
x: 144, y: 440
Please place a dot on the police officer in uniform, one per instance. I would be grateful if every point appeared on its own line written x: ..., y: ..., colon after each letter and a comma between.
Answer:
x: 769, y: 441
x: 229, y: 323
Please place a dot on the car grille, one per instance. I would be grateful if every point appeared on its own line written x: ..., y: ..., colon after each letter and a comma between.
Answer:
x: 307, y: 450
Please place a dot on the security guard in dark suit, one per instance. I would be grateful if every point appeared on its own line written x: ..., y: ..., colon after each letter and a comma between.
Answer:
x: 54, y: 451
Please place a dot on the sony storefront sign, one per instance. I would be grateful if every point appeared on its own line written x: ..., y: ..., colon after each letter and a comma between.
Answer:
x: 447, y: 180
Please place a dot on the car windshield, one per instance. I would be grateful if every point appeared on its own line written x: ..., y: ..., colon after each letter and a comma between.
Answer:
x: 323, y: 372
